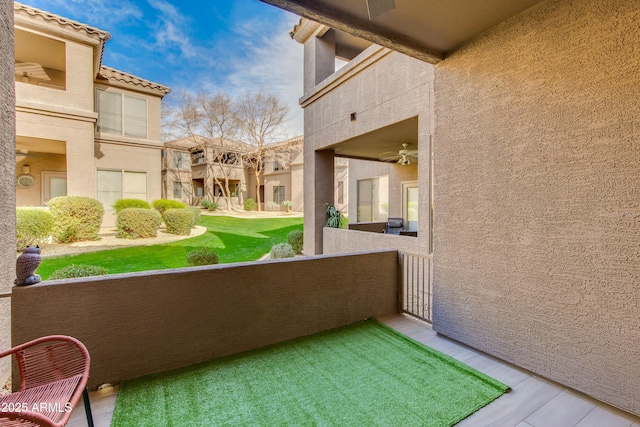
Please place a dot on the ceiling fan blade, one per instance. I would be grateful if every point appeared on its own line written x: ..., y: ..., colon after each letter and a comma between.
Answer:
x: 390, y: 158
x: 378, y: 7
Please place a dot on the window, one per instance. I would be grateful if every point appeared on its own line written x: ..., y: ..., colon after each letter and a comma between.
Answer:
x: 121, y: 114
x: 278, y: 194
x: 278, y: 166
x: 117, y: 184
x: 181, y: 160
x: 181, y: 190
x: 373, y: 199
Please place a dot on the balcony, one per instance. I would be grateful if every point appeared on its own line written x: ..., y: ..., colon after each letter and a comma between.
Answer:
x: 170, y: 319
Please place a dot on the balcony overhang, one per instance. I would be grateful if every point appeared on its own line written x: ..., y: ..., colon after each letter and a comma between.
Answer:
x: 381, y: 145
x: 424, y: 29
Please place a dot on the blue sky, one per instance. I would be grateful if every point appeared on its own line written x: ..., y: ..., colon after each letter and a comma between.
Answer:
x: 192, y: 45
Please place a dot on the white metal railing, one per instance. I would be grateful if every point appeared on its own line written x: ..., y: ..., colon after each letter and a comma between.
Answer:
x: 416, y: 293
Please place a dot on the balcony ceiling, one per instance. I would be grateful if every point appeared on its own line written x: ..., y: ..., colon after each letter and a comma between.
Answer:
x: 382, y: 144
x: 425, y: 29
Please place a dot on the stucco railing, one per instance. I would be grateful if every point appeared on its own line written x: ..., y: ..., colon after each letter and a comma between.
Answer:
x: 142, y: 323
x: 338, y: 240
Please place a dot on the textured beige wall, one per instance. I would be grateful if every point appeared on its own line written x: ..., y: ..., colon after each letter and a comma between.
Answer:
x: 78, y: 135
x: 78, y: 95
x: 360, y: 169
x: 383, y: 88
x: 538, y: 195
x: 37, y: 162
x: 7, y: 177
x: 337, y: 240
x: 142, y: 323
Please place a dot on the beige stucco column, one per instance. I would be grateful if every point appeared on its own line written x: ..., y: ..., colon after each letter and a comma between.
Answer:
x: 318, y: 190
x: 319, y: 58
x: 7, y: 176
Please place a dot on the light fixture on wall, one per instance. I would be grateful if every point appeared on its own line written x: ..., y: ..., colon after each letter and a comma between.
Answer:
x: 25, y: 180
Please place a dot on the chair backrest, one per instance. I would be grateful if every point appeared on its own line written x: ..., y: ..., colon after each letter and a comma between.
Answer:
x: 394, y: 225
x: 50, y: 359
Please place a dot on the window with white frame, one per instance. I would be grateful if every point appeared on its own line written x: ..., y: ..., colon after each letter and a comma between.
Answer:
x: 120, y: 184
x: 121, y: 114
x: 278, y: 194
x: 373, y: 199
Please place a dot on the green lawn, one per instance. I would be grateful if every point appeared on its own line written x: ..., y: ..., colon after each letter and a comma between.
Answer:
x: 235, y: 239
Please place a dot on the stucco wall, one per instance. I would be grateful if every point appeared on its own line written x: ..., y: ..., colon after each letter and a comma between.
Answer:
x: 7, y: 177
x: 78, y: 95
x: 77, y: 132
x: 337, y: 241
x: 142, y: 323
x: 360, y: 169
x: 383, y: 88
x: 38, y: 163
x: 537, y: 224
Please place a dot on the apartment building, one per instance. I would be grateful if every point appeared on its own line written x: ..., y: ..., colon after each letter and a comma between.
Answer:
x: 82, y: 128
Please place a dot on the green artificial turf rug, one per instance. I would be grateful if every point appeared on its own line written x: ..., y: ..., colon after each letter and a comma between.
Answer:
x: 365, y: 374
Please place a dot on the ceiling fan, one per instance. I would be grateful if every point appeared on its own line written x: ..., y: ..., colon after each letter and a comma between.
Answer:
x: 376, y: 8
x: 404, y: 157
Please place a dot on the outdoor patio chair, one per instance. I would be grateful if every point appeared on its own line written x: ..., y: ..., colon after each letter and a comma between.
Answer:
x: 394, y: 226
x: 54, y: 371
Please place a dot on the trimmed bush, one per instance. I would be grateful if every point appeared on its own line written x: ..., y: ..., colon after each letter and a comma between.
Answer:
x: 178, y: 221
x: 212, y: 206
x: 249, y: 205
x: 282, y: 250
x: 76, y: 218
x: 203, y: 256
x: 121, y: 204
x: 78, y: 270
x: 162, y: 205
x: 196, y: 215
x: 33, y: 226
x: 133, y: 223
x: 295, y: 240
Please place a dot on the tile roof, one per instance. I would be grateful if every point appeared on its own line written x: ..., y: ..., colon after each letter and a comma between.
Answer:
x: 111, y: 73
x: 102, y: 35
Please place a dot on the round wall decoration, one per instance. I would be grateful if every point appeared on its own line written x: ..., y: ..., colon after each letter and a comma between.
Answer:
x: 25, y: 180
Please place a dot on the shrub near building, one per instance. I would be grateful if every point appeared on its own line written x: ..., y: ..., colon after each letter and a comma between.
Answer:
x: 133, y: 223
x: 76, y: 218
x: 33, y: 226
x: 178, y: 221
x: 162, y: 205
x: 121, y: 204
x: 295, y: 239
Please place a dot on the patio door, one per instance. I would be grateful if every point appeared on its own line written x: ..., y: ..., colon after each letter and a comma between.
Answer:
x: 410, y: 205
x: 54, y: 184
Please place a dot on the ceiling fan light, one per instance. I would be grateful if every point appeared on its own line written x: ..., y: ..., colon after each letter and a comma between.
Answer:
x: 404, y: 161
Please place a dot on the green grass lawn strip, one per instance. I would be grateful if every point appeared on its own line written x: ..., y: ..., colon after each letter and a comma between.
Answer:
x: 235, y: 239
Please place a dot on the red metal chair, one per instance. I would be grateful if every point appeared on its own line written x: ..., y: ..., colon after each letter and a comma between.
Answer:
x: 54, y: 371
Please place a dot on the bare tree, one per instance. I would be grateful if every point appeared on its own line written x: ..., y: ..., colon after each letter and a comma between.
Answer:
x: 211, y: 121
x: 262, y: 116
